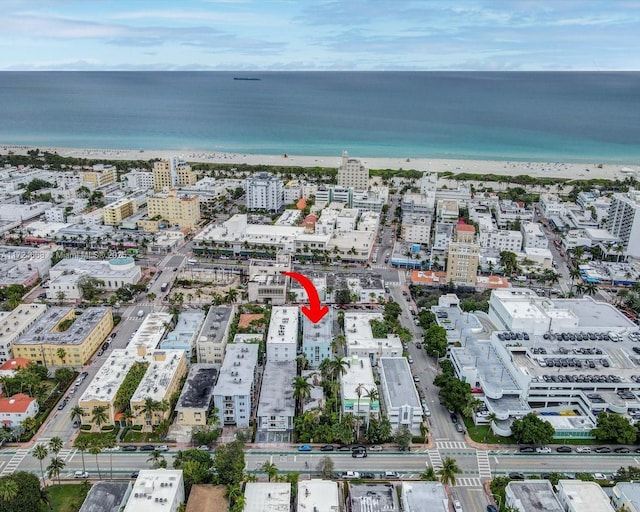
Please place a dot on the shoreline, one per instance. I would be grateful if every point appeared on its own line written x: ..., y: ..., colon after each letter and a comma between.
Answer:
x: 566, y: 170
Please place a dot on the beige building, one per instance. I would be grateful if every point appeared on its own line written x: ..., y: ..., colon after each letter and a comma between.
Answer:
x: 183, y: 211
x: 114, y: 213
x: 166, y: 369
x: 168, y: 174
x: 196, y: 397
x: 463, y: 257
x: 13, y: 324
x: 352, y: 174
x: 100, y: 175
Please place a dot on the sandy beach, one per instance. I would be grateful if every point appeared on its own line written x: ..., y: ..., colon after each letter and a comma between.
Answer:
x: 512, y: 168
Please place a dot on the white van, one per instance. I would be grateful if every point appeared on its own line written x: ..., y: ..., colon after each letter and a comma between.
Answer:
x: 140, y: 313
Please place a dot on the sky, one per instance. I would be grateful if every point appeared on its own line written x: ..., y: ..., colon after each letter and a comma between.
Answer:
x: 309, y: 35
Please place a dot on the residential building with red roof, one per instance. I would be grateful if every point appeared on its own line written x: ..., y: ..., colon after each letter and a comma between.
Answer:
x: 14, y: 410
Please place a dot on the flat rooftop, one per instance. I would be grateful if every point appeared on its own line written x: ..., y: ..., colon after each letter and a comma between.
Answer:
x: 154, y: 485
x: 106, y: 496
x: 156, y: 380
x: 534, y: 495
x: 43, y: 330
x: 150, y: 332
x: 276, y: 393
x: 215, y: 324
x: 359, y: 373
x: 321, y: 331
x: 15, y: 321
x: 400, y: 389
x: 373, y: 498
x: 318, y: 496
x: 283, y: 326
x: 631, y: 491
x: 109, y: 377
x: 100, y: 269
x: 186, y: 329
x: 267, y: 497
x: 585, y: 496
x: 429, y: 496
x: 198, y: 388
x: 237, y: 371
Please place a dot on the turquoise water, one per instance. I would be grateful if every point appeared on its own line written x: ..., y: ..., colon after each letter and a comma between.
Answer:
x: 528, y: 116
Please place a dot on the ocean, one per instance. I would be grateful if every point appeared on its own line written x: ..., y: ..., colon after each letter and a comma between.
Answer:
x: 536, y: 116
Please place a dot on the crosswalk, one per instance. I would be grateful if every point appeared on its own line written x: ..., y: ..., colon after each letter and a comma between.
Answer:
x: 451, y: 445
x: 484, y: 466
x: 435, y: 458
x: 15, y: 461
x: 468, y: 482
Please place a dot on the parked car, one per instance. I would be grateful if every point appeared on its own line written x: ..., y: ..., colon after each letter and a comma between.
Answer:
x: 418, y: 345
x: 543, y: 449
x: 375, y: 448
x: 416, y: 378
x: 527, y: 449
x: 515, y: 475
x: 583, y: 449
x: 391, y: 475
x: 162, y: 448
x: 368, y: 476
x: 622, y: 449
x: 61, y: 405
x: 491, y: 508
x: 304, y: 448
x: 347, y: 475
x: 147, y: 448
x: 326, y: 448
x: 203, y: 448
x: 359, y: 454
x: 564, y: 449
x: 129, y: 448
x: 344, y: 448
x: 459, y: 428
x: 81, y: 474
x: 603, y: 449
x: 135, y: 474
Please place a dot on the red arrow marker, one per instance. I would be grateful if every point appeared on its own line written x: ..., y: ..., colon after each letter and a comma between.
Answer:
x: 316, y: 311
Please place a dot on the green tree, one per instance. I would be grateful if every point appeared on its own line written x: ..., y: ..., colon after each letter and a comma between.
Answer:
x: 228, y: 463
x: 379, y: 430
x: 62, y: 354
x: 95, y: 448
x: 63, y: 376
x: 82, y: 444
x: 99, y: 416
x: 301, y: 391
x: 76, y: 413
x: 55, y: 445
x: 8, y: 489
x: 40, y: 452
x: 435, y: 341
x: 325, y: 467
x: 343, y: 296
x: 29, y: 496
x: 454, y: 394
x: 509, y: 262
x: 56, y: 465
x: 270, y: 469
x: 402, y: 438
x: 157, y: 460
x: 429, y: 475
x: 614, y: 428
x: 448, y: 471
x: 532, y: 430
x: 90, y: 287
x: 149, y: 407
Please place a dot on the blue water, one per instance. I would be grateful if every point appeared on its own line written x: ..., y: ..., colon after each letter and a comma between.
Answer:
x: 530, y: 116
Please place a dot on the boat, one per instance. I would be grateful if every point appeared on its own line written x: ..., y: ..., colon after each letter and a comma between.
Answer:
x: 245, y: 78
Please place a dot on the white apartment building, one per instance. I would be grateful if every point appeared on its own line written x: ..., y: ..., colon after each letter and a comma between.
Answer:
x: 318, y: 495
x: 551, y: 205
x: 15, y: 323
x: 431, y: 496
x: 266, y: 282
x: 267, y: 497
x: 346, y: 220
x: 22, y: 212
x: 399, y: 394
x: 579, y: 496
x: 317, y: 339
x: 139, y: 180
x: 447, y: 211
x: 234, y: 393
x: 624, y: 220
x: 360, y: 341
x: 277, y: 406
x: 292, y: 192
x: 212, y: 340
x: 352, y: 173
x: 510, y: 213
x: 356, y: 385
x: 442, y: 236
x: 420, y: 204
x: 157, y: 490
x: 416, y: 228
x: 282, y: 337
x: 533, y: 236
x: 61, y: 212
x: 500, y: 239
x: 264, y: 192
x: 326, y: 224
x: 17, y: 408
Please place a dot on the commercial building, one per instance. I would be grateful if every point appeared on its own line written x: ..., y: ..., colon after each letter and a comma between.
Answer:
x: 360, y: 341
x: 431, y: 496
x: 318, y: 496
x: 317, y: 339
x: 363, y: 288
x: 398, y: 392
x: 579, y: 496
x: 623, y: 220
x: 264, y: 192
x: 23, y: 212
x: 15, y: 323
x: 17, y: 408
x: 276, y: 407
x: 196, y: 398
x: 463, y: 257
x: 235, y: 392
x: 266, y: 282
x: 352, y: 173
x: 51, y: 332
x: 370, y: 497
x: 213, y: 337
x: 357, y: 384
x: 178, y: 210
x: 168, y: 174
x: 157, y: 490
x: 160, y: 382
x: 267, y: 497
x: 532, y: 496
x: 282, y: 338
x: 116, y: 212
x: 626, y: 496
x: 24, y: 265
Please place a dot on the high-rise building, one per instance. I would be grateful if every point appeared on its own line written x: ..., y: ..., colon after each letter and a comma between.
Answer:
x: 462, y: 261
x: 352, y: 173
x: 172, y: 173
x: 264, y: 192
x: 115, y: 212
x: 183, y: 211
x: 623, y: 220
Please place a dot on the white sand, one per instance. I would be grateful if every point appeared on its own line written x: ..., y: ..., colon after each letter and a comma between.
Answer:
x: 512, y: 168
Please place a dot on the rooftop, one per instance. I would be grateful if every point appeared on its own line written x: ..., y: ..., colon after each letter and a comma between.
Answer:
x: 109, y: 377
x: 276, y: 393
x: 198, y: 388
x: 159, y: 375
x: 18, y: 319
x: 359, y: 373
x: 534, y: 495
x: 584, y: 496
x: 318, y: 496
x: 267, y: 497
x: 400, y: 389
x: 149, y: 334
x: 319, y: 331
x: 373, y: 498
x: 215, y: 324
x: 100, y: 269
x: 283, y: 326
x: 105, y: 496
x: 420, y: 496
x: 154, y: 488
x: 186, y: 329
x: 238, y: 367
x: 16, y: 404
x: 631, y: 491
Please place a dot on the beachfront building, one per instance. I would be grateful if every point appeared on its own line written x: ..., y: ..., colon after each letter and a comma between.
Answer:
x: 15, y: 323
x: 317, y: 339
x: 282, y: 338
x: 266, y: 283
x: 119, y: 210
x: 173, y: 173
x: 352, y: 173
x: 234, y: 395
x: 398, y: 392
x: 196, y: 397
x: 264, y: 192
x: 463, y: 257
x: 317, y: 495
x: 360, y: 341
x: 160, y: 382
x: 267, y: 497
x: 157, y: 490
x: 177, y: 210
x: 356, y: 386
x: 61, y: 328
x: 277, y: 406
x: 67, y: 276
x: 623, y: 220
x: 212, y: 340
x: 17, y: 408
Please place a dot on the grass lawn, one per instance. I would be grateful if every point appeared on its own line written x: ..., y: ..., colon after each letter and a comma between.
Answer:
x: 134, y: 436
x: 483, y: 434
x: 68, y: 497
x: 99, y: 436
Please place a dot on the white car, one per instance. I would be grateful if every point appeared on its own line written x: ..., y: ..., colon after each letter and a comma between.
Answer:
x: 375, y: 448
x: 457, y: 506
x: 543, y: 449
x: 81, y: 474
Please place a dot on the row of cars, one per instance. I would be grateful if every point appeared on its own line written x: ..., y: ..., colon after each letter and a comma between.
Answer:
x: 354, y: 475
x: 579, y: 449
x: 357, y: 451
x: 72, y: 391
x: 143, y: 448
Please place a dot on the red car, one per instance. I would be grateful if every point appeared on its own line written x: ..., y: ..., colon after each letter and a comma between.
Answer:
x: 477, y: 391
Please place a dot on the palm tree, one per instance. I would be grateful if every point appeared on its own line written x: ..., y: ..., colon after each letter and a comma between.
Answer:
x: 270, y: 469
x: 339, y: 367
x: 301, y: 391
x: 8, y: 489
x: 156, y: 459
x: 55, y: 466
x: 99, y: 415
x: 231, y: 296
x: 94, y: 449
x: 62, y: 354
x: 574, y: 273
x: 492, y: 418
x: 109, y: 443
x: 82, y: 443
x: 55, y: 445
x: 591, y: 289
x: 429, y: 475
x: 40, y: 452
x: 148, y: 408
x: 448, y: 471
x: 76, y: 413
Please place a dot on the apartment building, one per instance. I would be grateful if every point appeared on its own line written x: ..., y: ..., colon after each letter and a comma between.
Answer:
x: 416, y: 229
x: 17, y: 408
x: 99, y: 175
x: 114, y: 213
x: 317, y: 339
x: 531, y: 496
x: 447, y: 211
x: 511, y: 213
x: 352, y: 173
x: 463, y: 257
x: 266, y: 282
x: 551, y: 205
x: 185, y: 333
x: 431, y: 496
x: 318, y: 495
x: 398, y: 392
x: 157, y: 490
x: 282, y: 337
x: 168, y: 174
x: 277, y: 406
x: 212, y: 340
x: 196, y: 397
x: 178, y: 210
x: 533, y: 236
x: 623, y: 220
x: 139, y: 179
x: 51, y: 332
x: 357, y: 384
x: 360, y: 341
x: 579, y: 496
x: 234, y: 395
x: 264, y: 191
x: 15, y: 323
x: 267, y: 497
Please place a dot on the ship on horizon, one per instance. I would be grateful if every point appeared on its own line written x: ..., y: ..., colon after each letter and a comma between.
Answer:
x: 245, y: 78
